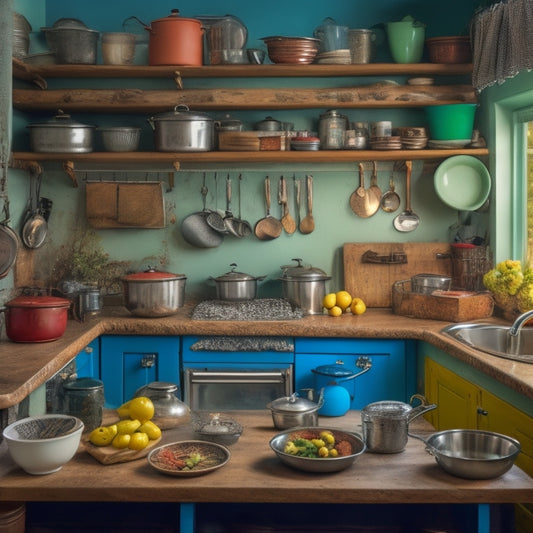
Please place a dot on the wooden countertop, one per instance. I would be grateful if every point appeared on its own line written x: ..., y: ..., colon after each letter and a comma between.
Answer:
x: 27, y: 366
x: 255, y: 474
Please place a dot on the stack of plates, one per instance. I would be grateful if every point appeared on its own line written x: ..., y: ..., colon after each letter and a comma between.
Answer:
x: 413, y: 138
x: 292, y: 50
x: 453, y: 144
x: 305, y: 143
x: 335, y: 57
x: 386, y: 143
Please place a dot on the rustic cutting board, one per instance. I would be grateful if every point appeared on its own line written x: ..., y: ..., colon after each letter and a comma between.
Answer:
x: 107, y: 455
x: 370, y: 269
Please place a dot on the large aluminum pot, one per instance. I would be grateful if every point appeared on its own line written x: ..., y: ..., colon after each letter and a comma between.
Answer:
x: 386, y: 423
x: 36, y: 318
x: 153, y: 294
x: 236, y: 286
x: 304, y: 287
x: 72, y: 41
x: 62, y: 134
x: 175, y: 40
x: 293, y: 411
x: 182, y: 130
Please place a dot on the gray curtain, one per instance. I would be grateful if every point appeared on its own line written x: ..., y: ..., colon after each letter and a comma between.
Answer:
x: 502, y: 42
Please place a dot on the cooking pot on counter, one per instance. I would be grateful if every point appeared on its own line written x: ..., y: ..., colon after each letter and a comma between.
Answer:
x: 175, y: 40
x: 293, y: 411
x: 304, y: 287
x: 36, y: 318
x: 182, y: 130
x: 236, y: 286
x: 386, y: 423
x: 62, y: 134
x: 153, y: 294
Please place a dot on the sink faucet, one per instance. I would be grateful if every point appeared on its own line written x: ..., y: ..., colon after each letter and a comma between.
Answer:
x: 514, y: 330
x: 513, y: 344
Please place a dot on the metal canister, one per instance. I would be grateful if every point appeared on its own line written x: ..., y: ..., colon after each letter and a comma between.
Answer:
x: 331, y: 130
x: 84, y: 398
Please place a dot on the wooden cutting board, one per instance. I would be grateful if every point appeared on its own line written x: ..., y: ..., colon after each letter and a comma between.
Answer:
x: 370, y: 269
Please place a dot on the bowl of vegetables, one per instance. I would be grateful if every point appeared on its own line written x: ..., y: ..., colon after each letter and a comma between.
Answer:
x: 189, y: 458
x: 317, y: 449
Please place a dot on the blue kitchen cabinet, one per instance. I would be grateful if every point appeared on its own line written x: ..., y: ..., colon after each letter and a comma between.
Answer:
x: 129, y: 362
x: 392, y: 375
x: 88, y: 360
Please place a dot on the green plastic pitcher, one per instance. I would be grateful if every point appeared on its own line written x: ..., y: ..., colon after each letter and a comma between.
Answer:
x: 406, y: 40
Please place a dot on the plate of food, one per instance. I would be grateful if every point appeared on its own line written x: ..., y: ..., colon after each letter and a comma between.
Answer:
x: 189, y: 458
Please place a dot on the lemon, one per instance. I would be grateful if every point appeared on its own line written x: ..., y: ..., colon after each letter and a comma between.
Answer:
x: 103, y: 435
x: 124, y: 410
x: 329, y: 300
x: 151, y: 429
x: 343, y: 299
x: 127, y: 427
x: 138, y: 441
x: 335, y: 311
x: 141, y: 408
x: 121, y: 441
x: 358, y: 307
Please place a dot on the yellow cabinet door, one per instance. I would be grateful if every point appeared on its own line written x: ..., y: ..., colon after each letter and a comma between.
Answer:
x: 457, y: 399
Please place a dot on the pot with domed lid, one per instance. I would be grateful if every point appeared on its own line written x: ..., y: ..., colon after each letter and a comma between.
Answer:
x: 236, y: 286
x: 153, y: 294
x: 292, y: 411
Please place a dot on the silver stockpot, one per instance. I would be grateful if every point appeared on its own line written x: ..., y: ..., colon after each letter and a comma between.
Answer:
x: 294, y: 411
x: 62, y: 134
x: 386, y: 424
x: 304, y: 287
x: 182, y: 130
x: 236, y: 286
x: 154, y: 294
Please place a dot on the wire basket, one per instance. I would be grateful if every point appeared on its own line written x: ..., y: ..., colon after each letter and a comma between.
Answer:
x: 120, y: 139
x: 469, y: 264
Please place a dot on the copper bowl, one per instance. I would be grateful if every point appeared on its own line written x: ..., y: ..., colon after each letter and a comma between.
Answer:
x: 449, y: 50
x: 291, y: 50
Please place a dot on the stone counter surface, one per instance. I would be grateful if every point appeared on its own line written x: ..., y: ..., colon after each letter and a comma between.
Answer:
x: 255, y: 474
x: 27, y: 366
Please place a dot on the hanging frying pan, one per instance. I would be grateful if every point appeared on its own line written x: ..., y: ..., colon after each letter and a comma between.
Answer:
x: 9, y: 241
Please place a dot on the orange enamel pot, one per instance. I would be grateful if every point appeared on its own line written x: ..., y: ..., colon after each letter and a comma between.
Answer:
x: 175, y: 40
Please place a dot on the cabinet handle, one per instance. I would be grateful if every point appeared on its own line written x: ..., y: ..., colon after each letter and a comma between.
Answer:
x: 482, y: 412
x: 148, y: 361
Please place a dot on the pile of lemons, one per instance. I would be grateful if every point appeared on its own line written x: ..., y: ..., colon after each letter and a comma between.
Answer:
x: 135, y: 429
x: 341, y: 302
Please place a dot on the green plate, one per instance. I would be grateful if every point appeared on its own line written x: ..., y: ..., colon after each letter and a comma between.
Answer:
x: 462, y: 182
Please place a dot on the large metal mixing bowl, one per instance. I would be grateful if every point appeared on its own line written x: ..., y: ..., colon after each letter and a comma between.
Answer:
x: 309, y: 464
x: 473, y: 454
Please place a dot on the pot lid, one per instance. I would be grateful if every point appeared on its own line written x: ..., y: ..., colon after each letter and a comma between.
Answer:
x: 182, y: 113
x: 388, y: 409
x: 38, y: 301
x: 337, y: 370
x: 175, y: 15
x: 293, y: 404
x: 153, y: 275
x: 303, y: 273
x: 233, y: 275
x: 68, y: 24
x: 61, y: 120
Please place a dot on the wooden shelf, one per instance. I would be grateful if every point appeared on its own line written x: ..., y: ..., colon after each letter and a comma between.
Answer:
x: 320, y: 156
x: 22, y: 70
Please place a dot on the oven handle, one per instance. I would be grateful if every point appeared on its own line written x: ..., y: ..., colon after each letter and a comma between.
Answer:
x: 210, y: 376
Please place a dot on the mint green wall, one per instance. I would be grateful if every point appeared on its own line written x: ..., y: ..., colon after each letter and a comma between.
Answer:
x: 335, y: 222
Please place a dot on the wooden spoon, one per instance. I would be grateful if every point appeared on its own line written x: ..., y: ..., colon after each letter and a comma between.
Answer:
x: 269, y: 227
x: 363, y: 203
x: 288, y: 223
x: 307, y: 225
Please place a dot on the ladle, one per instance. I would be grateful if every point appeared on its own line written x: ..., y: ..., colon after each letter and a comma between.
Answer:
x: 407, y: 220
x: 288, y: 223
x: 244, y: 227
x: 390, y: 201
x: 35, y: 228
x: 374, y: 188
x: 363, y: 203
x: 231, y: 223
x: 269, y: 227
x: 307, y: 225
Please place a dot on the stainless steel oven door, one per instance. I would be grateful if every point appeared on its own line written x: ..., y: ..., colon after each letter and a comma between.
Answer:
x: 235, y: 389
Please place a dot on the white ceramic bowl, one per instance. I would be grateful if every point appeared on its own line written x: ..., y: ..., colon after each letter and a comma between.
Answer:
x: 43, y: 444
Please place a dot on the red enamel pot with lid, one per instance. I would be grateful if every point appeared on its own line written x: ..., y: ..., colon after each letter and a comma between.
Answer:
x: 175, y: 40
x: 36, y: 318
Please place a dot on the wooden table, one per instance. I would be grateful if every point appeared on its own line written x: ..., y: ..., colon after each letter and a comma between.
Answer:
x: 255, y: 475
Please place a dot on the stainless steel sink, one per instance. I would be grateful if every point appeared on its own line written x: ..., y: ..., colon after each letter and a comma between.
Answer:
x: 495, y: 339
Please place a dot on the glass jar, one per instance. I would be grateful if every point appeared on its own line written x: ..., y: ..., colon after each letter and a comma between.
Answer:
x: 170, y: 411
x: 84, y: 398
x: 331, y: 130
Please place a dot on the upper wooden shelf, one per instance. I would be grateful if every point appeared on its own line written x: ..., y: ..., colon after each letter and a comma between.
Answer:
x: 24, y: 71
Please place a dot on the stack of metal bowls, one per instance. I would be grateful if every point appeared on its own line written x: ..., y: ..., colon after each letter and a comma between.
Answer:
x: 292, y: 50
